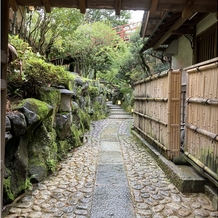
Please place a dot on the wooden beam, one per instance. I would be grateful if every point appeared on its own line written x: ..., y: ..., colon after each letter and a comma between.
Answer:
x: 146, y: 24
x: 187, y: 9
x: 118, y: 4
x: 13, y: 4
x: 175, y: 26
x: 47, y: 5
x: 82, y: 6
x: 153, y: 7
x: 183, y: 31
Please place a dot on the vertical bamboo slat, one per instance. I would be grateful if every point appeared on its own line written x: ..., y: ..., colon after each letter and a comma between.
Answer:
x: 157, y: 112
x: 202, y: 83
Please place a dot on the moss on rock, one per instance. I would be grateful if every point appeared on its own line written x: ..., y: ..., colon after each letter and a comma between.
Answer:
x: 7, y: 193
x: 63, y: 148
x: 41, y: 108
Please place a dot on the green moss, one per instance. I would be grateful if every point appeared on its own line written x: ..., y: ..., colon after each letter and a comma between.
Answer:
x: 93, y: 91
x: 52, y: 97
x: 42, y: 109
x: 52, y: 165
x: 7, y: 193
x: 84, y: 120
x: 99, y: 111
x: 63, y: 148
x: 77, y: 135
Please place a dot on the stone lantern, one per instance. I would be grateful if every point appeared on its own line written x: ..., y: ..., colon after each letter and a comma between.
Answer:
x: 65, y: 105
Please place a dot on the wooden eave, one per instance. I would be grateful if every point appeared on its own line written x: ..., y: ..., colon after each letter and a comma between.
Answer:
x: 164, y: 27
x: 169, y: 23
x: 152, y: 6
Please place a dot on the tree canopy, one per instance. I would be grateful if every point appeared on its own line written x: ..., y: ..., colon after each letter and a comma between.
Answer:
x: 95, y: 49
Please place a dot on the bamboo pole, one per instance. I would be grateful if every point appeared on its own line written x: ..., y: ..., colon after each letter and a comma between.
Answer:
x: 203, y: 101
x: 153, y: 77
x: 202, y: 131
x: 151, y: 118
x: 201, y: 165
x: 151, y: 99
x: 152, y: 139
x: 203, y: 68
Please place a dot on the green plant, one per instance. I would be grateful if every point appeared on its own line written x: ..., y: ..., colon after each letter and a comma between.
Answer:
x: 52, y: 165
x: 28, y: 184
x: 30, y: 71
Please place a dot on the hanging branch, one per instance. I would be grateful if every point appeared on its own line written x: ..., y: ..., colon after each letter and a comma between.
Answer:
x: 145, y: 66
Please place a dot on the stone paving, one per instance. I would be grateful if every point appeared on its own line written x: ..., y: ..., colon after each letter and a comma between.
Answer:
x: 110, y: 175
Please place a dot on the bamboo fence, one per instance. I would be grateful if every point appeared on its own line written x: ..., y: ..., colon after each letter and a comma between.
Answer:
x: 157, y: 111
x: 201, y: 141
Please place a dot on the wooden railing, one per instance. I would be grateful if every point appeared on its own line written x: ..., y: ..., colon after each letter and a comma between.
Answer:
x: 157, y: 111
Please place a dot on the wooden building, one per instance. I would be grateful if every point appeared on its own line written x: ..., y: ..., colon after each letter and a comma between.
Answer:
x: 187, y: 34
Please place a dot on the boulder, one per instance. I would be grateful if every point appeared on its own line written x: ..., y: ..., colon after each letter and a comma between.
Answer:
x: 63, y: 125
x: 8, y: 136
x: 16, y: 165
x: 18, y: 123
x: 42, y: 109
x: 7, y: 124
x: 32, y: 119
x: 52, y: 97
x: 75, y: 107
x: 78, y: 81
x: 40, y: 149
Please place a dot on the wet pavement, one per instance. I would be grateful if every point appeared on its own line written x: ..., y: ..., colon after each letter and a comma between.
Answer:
x: 110, y: 176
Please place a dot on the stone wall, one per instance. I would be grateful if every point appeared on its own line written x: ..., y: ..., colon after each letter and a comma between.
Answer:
x: 40, y: 132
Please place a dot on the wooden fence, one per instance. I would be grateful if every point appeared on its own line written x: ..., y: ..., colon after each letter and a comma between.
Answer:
x: 201, y: 141
x: 157, y: 111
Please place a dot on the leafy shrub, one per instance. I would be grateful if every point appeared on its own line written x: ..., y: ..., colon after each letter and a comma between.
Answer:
x: 30, y: 71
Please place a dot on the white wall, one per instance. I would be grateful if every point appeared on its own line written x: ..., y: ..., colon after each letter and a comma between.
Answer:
x: 184, y: 58
x: 206, y: 23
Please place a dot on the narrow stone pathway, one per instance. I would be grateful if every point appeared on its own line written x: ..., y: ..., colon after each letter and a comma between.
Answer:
x: 112, y: 196
x: 110, y: 176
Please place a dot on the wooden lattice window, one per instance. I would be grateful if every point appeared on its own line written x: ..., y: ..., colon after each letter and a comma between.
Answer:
x: 207, y: 47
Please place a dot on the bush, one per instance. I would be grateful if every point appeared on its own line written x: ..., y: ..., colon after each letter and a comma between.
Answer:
x: 30, y: 71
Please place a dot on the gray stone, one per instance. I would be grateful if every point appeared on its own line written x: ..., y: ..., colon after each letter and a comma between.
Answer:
x: 42, y: 109
x: 63, y: 125
x: 65, y: 104
x: 8, y: 136
x: 32, y: 119
x: 18, y: 123
x: 7, y: 124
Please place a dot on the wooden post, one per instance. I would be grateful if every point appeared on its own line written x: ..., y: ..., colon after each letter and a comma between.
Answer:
x: 174, y: 113
x: 4, y: 48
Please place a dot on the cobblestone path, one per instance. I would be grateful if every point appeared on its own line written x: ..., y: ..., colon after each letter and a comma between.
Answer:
x: 110, y: 176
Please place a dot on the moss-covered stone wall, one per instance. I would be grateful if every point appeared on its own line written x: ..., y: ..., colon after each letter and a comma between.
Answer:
x: 40, y: 132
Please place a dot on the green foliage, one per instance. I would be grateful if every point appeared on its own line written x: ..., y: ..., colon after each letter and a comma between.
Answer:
x: 28, y: 183
x: 99, y: 111
x: 108, y: 16
x: 93, y: 91
x: 8, y: 195
x: 52, y: 165
x: 30, y: 71
x: 77, y: 134
x: 84, y: 120
x: 92, y: 46
x: 45, y: 32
